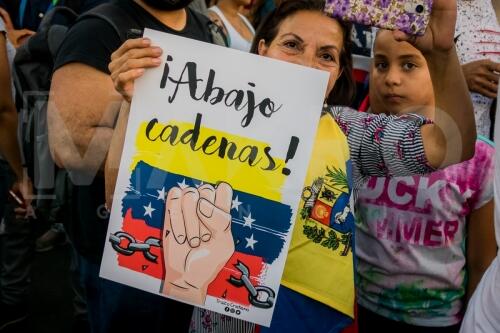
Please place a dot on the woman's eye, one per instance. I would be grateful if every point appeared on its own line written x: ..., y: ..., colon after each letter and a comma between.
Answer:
x: 291, y: 44
x: 328, y: 57
x: 381, y: 66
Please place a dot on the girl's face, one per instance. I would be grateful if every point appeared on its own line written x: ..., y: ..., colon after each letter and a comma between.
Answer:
x: 310, y: 39
x: 400, y: 79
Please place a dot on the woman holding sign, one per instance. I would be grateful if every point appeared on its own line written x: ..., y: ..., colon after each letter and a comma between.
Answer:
x: 320, y: 260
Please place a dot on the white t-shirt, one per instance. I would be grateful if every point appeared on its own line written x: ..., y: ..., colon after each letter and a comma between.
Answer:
x: 236, y: 41
x: 483, y: 312
x: 477, y: 36
x: 410, y: 240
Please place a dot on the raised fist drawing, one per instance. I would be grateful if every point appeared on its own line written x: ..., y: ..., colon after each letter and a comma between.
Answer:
x: 197, y: 239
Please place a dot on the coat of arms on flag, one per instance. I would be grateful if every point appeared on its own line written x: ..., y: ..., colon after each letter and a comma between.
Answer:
x: 326, y: 204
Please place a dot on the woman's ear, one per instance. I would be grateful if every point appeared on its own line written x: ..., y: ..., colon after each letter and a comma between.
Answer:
x: 262, y: 48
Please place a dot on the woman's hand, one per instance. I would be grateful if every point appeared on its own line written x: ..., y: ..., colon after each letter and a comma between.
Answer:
x: 440, y: 32
x: 129, y: 63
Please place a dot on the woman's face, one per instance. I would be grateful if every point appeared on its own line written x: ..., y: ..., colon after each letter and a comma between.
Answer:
x: 243, y: 2
x: 310, y: 39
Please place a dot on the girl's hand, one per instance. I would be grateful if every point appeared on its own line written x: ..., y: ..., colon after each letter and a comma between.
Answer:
x: 440, y: 32
x: 129, y: 63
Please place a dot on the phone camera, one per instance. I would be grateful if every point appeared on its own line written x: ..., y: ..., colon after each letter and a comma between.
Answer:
x: 419, y: 9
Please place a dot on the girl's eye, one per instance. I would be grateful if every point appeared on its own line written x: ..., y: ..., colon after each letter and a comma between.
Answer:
x: 381, y: 66
x: 409, y: 66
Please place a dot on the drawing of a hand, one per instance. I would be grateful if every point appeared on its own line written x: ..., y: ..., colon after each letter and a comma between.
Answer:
x: 197, y: 239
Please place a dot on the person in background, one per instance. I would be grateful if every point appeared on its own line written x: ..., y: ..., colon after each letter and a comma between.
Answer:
x: 79, y: 128
x: 13, y: 287
x: 422, y: 242
x: 238, y: 29
x: 477, y: 38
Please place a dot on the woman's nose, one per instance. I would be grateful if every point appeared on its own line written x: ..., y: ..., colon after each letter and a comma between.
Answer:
x: 306, y: 59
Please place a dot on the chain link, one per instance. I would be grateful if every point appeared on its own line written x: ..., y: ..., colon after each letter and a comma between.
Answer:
x: 259, y: 296
x: 133, y: 246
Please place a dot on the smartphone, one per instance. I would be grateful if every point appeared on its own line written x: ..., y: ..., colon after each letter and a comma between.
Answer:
x: 410, y: 16
x: 17, y: 198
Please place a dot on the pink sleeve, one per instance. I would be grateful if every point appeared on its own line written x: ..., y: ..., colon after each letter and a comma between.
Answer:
x: 483, y: 174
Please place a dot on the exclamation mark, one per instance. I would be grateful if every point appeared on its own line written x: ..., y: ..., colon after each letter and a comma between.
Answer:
x: 166, y: 71
x: 292, y: 149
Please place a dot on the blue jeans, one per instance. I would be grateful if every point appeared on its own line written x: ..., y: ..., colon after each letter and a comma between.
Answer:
x: 297, y: 313
x: 113, y: 307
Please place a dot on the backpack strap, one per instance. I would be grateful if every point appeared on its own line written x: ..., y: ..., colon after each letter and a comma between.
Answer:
x: 217, y: 34
x: 115, y: 17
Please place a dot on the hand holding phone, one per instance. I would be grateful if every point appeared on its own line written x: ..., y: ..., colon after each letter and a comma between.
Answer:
x: 409, y: 16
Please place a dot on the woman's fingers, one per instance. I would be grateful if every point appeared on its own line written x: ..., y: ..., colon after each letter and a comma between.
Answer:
x: 133, y: 64
x: 129, y: 44
x: 129, y: 62
x: 135, y: 54
x: 124, y: 83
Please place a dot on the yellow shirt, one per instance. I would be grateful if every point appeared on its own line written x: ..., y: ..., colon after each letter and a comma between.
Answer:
x: 320, y: 259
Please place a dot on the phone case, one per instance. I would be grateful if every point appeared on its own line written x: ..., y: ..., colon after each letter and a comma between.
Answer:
x: 410, y: 16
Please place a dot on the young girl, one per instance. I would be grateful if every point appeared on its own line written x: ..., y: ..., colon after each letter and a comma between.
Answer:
x: 423, y: 242
x: 318, y: 291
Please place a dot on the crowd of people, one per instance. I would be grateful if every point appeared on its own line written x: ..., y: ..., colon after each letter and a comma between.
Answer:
x: 416, y: 130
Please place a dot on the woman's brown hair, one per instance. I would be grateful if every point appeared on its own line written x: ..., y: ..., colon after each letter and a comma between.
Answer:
x: 344, y: 90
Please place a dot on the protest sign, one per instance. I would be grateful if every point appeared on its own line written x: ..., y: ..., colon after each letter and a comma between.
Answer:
x: 216, y: 151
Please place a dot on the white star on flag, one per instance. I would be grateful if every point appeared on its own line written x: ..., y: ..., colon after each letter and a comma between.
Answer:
x: 149, y: 210
x: 248, y: 221
x: 198, y: 185
x: 251, y: 242
x: 236, y: 204
x: 161, y: 194
x: 183, y: 185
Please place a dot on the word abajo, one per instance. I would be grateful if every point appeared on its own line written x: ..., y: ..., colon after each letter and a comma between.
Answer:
x: 237, y: 98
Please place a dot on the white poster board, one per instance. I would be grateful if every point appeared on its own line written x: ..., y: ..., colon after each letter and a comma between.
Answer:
x: 215, y: 155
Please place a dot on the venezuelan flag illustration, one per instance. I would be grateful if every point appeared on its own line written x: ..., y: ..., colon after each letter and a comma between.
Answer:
x: 260, y: 222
